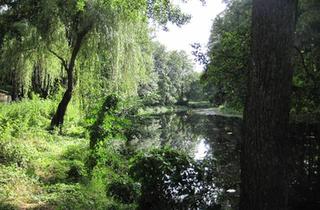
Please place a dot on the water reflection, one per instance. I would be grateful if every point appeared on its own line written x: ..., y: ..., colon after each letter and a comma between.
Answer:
x: 201, y: 149
x: 212, y: 182
x: 213, y: 179
x: 305, y: 167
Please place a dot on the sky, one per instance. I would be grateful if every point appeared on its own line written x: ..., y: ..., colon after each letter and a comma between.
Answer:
x: 198, y: 30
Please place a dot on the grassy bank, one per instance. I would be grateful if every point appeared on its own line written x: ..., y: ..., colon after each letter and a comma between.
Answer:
x: 193, y: 105
x: 227, y: 110
x: 152, y: 110
x: 41, y: 169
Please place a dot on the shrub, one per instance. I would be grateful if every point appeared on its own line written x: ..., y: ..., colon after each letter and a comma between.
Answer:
x: 157, y: 171
x: 13, y: 153
x: 124, y: 190
x: 76, y: 171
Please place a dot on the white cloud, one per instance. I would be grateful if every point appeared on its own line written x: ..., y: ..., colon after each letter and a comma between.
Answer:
x: 198, y: 30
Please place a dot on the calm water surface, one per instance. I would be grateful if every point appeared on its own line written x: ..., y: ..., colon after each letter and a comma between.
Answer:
x: 213, y: 142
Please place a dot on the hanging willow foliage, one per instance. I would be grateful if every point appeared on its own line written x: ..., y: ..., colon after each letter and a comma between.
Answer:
x: 116, y: 62
x: 26, y: 66
x: 90, y: 48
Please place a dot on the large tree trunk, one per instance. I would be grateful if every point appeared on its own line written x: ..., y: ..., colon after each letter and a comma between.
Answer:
x: 58, y: 117
x: 264, y: 167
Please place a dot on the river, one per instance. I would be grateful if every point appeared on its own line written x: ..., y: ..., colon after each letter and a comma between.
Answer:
x: 212, y: 141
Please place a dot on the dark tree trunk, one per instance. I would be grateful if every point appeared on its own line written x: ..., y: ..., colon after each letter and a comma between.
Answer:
x: 58, y: 118
x: 41, y: 81
x: 14, y: 91
x: 264, y: 167
x: 16, y: 86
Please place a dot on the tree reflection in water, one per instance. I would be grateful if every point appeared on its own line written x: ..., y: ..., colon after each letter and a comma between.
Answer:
x: 210, y: 179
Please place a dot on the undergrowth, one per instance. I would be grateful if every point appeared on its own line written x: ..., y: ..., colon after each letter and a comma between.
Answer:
x: 45, y: 169
x: 42, y: 169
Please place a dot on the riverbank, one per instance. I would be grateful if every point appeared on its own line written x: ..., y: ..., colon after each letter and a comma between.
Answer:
x: 202, y: 107
x: 41, y: 169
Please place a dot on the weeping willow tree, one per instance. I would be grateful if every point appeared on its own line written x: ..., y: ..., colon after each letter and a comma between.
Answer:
x: 99, y: 39
x: 117, y: 22
x: 26, y: 65
x: 115, y: 64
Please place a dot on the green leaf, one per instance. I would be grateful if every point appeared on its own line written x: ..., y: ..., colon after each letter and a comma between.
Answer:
x: 80, y: 5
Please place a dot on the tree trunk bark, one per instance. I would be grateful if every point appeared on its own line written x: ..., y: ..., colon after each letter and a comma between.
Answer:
x: 264, y: 167
x: 58, y: 118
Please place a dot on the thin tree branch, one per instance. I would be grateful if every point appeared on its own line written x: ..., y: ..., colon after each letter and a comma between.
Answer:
x: 64, y: 63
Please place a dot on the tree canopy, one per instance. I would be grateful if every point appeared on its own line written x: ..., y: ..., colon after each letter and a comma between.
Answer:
x: 91, y: 38
x: 225, y: 76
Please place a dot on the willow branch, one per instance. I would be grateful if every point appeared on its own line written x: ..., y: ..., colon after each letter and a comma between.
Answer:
x: 64, y: 63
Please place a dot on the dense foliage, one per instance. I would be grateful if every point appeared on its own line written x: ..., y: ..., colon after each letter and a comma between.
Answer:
x: 171, y: 78
x: 92, y: 69
x: 85, y: 65
x: 103, y: 46
x: 225, y: 77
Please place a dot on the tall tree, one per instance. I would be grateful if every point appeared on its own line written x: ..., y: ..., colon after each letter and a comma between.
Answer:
x: 75, y: 44
x: 174, y: 70
x: 84, y: 16
x: 264, y: 169
x: 66, y: 26
x: 228, y: 52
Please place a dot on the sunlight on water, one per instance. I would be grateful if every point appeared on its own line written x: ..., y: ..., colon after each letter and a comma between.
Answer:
x: 201, y: 150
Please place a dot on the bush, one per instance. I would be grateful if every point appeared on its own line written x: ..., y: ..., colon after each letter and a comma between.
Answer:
x: 46, y: 170
x: 76, y: 171
x: 68, y: 197
x: 125, y: 190
x: 157, y: 171
x: 18, y: 117
x: 13, y: 153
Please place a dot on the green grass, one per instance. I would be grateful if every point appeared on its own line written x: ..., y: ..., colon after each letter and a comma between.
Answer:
x: 154, y: 110
x: 41, y: 169
x: 32, y: 158
x: 229, y: 110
